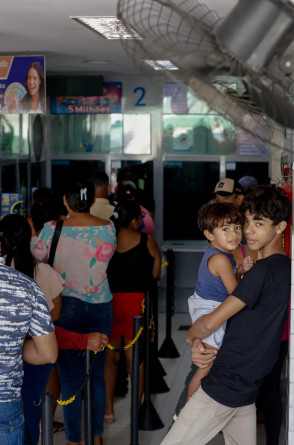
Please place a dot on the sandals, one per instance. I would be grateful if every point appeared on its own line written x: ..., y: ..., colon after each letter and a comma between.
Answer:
x: 58, y: 427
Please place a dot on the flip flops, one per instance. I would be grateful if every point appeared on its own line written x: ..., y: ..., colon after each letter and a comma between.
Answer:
x: 57, y: 427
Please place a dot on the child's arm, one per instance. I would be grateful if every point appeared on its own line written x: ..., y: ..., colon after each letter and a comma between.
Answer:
x: 207, y: 324
x: 220, y: 265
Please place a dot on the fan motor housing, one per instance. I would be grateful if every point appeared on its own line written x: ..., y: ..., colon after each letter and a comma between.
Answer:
x: 255, y: 31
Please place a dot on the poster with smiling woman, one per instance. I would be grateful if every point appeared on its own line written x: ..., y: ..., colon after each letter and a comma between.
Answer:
x: 22, y: 85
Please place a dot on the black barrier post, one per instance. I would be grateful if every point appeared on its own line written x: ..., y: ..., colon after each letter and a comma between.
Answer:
x: 88, y: 400
x: 157, y: 372
x: 135, y: 381
x: 148, y: 417
x: 47, y: 421
x: 168, y: 348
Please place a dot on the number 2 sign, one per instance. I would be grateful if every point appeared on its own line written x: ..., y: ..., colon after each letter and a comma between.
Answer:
x: 139, y: 102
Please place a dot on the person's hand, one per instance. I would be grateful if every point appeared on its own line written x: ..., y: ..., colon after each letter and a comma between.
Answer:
x: 248, y: 262
x: 97, y: 341
x: 201, y: 356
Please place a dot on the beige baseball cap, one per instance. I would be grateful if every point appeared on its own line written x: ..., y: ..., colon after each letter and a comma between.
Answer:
x: 228, y: 186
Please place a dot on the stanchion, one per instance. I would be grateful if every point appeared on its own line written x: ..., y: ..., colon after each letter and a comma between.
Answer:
x: 168, y: 348
x: 148, y: 417
x: 88, y: 400
x: 135, y: 381
x: 47, y: 421
x: 157, y: 372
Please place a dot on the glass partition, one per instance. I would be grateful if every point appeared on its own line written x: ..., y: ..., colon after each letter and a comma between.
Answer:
x: 199, y: 134
x: 137, y: 134
x: 10, y: 141
x: 86, y: 133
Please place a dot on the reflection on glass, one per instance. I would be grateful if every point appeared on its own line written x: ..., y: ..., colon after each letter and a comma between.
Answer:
x: 86, y: 133
x: 141, y: 173
x: 25, y: 133
x: 199, y: 134
x: 187, y: 185
x: 10, y: 141
x: 137, y: 134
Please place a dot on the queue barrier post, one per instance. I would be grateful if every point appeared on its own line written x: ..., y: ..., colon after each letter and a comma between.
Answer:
x: 88, y: 400
x: 168, y: 348
x: 157, y: 372
x: 47, y: 419
x: 137, y: 321
x: 148, y: 417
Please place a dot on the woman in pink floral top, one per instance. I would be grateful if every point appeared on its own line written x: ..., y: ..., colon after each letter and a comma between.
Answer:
x: 85, y: 246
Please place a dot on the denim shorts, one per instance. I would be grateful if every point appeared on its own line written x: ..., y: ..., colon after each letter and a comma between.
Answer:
x: 11, y: 423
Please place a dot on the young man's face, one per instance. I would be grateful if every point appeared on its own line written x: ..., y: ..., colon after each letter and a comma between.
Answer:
x: 226, y: 237
x: 233, y: 198
x: 258, y: 232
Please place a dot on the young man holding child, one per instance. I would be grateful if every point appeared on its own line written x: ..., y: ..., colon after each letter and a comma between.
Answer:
x: 256, y: 312
x: 218, y: 276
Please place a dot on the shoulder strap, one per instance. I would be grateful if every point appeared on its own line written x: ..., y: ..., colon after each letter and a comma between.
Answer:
x: 55, y: 239
x: 144, y: 239
x: 242, y: 248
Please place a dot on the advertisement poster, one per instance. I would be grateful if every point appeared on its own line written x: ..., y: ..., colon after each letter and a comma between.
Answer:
x: 11, y: 203
x: 175, y: 98
x: 249, y: 147
x: 22, y: 85
x: 109, y: 102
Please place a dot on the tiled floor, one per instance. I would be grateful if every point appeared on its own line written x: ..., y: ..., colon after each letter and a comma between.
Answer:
x: 177, y: 370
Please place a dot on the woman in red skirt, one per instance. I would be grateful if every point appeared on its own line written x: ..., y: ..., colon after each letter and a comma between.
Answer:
x: 136, y: 261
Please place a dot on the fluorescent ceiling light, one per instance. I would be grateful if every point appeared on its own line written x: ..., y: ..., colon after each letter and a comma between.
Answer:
x: 161, y: 64
x: 108, y: 27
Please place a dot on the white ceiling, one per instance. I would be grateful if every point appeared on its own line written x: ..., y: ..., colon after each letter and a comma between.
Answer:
x: 40, y: 27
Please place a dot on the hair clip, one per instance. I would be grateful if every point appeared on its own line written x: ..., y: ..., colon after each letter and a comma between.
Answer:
x: 83, y: 193
x: 128, y: 192
x: 115, y: 214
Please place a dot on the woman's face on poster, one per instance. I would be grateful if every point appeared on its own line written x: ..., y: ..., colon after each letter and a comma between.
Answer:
x: 33, y: 81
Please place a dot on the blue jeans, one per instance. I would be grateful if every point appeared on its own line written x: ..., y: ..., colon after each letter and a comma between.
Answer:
x: 11, y: 423
x: 82, y: 317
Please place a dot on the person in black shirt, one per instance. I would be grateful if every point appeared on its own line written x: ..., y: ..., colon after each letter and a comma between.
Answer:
x: 256, y: 313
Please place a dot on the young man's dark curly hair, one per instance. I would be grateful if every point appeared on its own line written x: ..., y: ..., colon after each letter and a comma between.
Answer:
x: 268, y: 201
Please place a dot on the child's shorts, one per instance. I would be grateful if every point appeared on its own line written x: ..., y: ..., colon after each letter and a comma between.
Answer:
x: 199, y: 306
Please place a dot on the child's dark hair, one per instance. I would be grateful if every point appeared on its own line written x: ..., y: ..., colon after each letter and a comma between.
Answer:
x: 214, y: 214
x: 42, y: 211
x: 15, y: 240
x: 80, y: 195
x: 126, y: 190
x: 268, y: 201
x: 125, y: 212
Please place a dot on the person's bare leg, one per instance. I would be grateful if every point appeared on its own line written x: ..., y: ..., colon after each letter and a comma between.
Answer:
x: 110, y: 376
x: 196, y: 379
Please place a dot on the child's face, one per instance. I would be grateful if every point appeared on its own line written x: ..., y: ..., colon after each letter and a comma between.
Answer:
x: 226, y: 237
x: 259, y: 232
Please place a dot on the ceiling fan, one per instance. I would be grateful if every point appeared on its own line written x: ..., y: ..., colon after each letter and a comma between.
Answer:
x: 252, y: 45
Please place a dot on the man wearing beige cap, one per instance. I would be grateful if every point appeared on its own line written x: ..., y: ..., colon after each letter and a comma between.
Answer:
x: 228, y: 190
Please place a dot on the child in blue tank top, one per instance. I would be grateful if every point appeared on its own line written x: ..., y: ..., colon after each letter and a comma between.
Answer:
x: 217, y: 274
